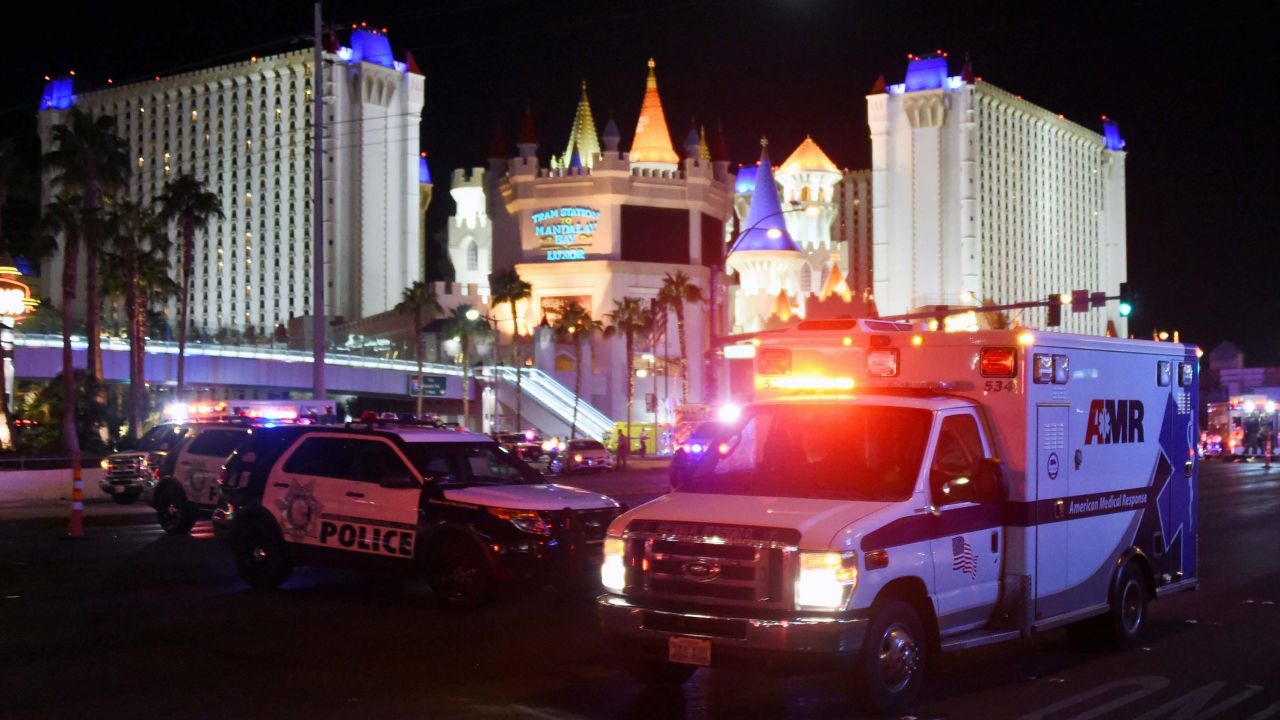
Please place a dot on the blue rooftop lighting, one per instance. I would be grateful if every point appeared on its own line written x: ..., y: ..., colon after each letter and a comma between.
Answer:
x: 746, y: 180
x: 371, y: 47
x: 58, y: 95
x: 424, y: 172
x: 1111, y: 135
x: 927, y: 73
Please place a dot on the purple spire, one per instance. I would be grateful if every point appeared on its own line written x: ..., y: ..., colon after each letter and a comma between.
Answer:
x: 766, y: 227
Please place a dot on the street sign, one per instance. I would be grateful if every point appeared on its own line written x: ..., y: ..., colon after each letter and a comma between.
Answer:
x: 432, y: 386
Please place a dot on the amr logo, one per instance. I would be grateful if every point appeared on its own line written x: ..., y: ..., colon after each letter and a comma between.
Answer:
x: 1114, y: 421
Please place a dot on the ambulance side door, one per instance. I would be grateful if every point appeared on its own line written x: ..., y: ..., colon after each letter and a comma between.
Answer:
x: 967, y: 551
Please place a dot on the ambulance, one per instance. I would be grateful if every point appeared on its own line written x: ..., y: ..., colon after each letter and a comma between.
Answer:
x: 893, y: 493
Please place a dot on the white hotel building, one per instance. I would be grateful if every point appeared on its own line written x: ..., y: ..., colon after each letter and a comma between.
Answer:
x: 245, y: 130
x: 979, y: 195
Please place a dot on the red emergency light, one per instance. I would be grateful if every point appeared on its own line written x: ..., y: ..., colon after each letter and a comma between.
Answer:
x: 999, y: 362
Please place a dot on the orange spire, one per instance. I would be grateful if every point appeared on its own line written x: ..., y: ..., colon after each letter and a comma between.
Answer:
x: 808, y: 157
x: 652, y: 143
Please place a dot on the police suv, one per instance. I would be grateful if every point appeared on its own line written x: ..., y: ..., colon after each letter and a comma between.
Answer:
x: 893, y: 493
x: 187, y: 484
x: 454, y: 506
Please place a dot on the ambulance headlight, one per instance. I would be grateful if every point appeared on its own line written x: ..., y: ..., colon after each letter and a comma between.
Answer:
x: 613, y: 571
x: 826, y: 580
x: 527, y: 520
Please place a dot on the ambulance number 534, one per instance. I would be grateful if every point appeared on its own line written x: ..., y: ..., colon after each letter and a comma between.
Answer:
x: 999, y: 386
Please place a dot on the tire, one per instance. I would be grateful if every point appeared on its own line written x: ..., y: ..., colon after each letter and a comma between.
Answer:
x: 459, y: 573
x: 657, y: 673
x: 260, y: 557
x: 175, y: 514
x: 556, y: 466
x: 890, y: 671
x: 125, y: 499
x: 1127, y: 618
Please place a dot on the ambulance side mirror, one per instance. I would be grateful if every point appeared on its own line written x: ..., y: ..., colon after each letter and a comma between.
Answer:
x: 983, y: 485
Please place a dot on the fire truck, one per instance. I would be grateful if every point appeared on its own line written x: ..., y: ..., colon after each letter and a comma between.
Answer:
x: 893, y: 493
x: 1240, y: 427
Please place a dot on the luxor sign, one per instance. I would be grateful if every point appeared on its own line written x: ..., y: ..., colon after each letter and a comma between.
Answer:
x: 565, y: 233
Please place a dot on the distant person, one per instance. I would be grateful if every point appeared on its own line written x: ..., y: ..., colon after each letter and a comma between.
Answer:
x: 624, y: 448
x: 644, y: 436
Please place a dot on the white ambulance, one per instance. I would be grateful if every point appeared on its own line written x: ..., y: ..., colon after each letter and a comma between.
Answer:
x: 894, y: 493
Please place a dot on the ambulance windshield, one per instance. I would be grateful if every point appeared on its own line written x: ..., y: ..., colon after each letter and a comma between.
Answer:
x: 817, y: 450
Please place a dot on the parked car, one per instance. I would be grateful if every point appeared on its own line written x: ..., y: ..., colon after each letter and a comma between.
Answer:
x: 188, y: 481
x: 521, y: 446
x: 581, y: 454
x: 131, y: 472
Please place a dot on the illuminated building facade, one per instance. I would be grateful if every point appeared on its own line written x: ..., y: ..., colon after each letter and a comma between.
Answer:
x: 608, y: 227
x: 980, y: 196
x: 245, y: 130
x: 469, y: 231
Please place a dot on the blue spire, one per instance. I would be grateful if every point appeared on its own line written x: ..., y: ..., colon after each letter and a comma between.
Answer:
x: 574, y: 160
x: 424, y: 172
x: 764, y: 217
x: 58, y: 94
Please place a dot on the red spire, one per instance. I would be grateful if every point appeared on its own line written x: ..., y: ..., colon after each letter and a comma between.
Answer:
x: 527, y: 135
x: 413, y: 66
x: 720, y: 151
x: 498, y: 147
x: 330, y: 41
x: 878, y: 87
x: 966, y: 72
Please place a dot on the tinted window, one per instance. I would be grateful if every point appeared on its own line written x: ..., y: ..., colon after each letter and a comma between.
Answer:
x: 432, y: 460
x: 217, y: 443
x: 326, y: 457
x: 959, y: 446
x: 585, y: 445
x: 484, y: 464
x: 162, y: 437
x: 378, y: 463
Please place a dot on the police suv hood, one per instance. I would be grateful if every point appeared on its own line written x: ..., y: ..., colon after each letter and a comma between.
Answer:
x: 818, y: 520
x: 530, y: 497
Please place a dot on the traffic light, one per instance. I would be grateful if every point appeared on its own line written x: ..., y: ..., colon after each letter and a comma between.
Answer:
x: 1126, y: 300
x: 1054, y: 317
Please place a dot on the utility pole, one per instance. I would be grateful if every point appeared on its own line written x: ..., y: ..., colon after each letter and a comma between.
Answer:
x: 317, y: 218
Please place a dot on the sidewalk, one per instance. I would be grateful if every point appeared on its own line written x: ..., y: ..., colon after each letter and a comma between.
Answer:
x: 96, y: 512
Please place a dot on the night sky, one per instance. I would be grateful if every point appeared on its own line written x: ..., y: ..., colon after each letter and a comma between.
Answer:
x: 1188, y: 87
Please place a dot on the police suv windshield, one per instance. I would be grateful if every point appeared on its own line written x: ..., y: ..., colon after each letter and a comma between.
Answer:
x: 816, y: 450
x: 455, y: 464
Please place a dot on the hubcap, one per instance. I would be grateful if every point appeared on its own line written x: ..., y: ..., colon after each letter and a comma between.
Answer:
x: 1131, y: 609
x: 259, y: 554
x: 899, y: 658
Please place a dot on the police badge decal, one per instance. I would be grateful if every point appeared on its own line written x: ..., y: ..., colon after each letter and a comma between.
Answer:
x: 299, y: 511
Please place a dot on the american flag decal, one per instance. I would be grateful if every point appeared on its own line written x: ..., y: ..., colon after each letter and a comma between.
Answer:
x: 962, y: 557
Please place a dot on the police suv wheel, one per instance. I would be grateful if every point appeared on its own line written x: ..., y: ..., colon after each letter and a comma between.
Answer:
x: 459, y: 574
x: 1128, y: 615
x: 175, y: 514
x: 260, y: 558
x: 556, y: 466
x: 891, y: 664
x: 652, y: 672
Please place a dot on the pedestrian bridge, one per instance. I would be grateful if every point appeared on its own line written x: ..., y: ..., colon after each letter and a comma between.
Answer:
x: 543, y: 401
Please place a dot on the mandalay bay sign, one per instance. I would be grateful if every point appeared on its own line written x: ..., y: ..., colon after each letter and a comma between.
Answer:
x: 566, y: 233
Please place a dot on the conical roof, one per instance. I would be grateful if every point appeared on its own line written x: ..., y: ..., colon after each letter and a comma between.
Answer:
x: 835, y: 284
x: 652, y: 143
x: 704, y: 152
x: 808, y: 158
x: 766, y: 228
x: 582, y: 136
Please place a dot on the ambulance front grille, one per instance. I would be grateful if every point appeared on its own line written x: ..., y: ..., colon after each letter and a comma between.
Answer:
x: 708, y: 570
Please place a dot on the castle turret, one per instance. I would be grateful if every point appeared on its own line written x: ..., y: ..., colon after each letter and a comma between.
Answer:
x: 583, y: 142
x: 612, y: 137
x: 424, y: 202
x: 764, y: 255
x: 809, y: 180
x: 527, y: 145
x: 692, y: 146
x: 470, y: 234
x: 652, y: 147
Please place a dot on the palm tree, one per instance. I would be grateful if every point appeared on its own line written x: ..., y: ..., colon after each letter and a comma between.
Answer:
x: 507, y: 287
x: 186, y: 203
x: 464, y: 324
x: 630, y: 317
x: 419, y: 301
x: 138, y: 271
x: 63, y: 217
x: 90, y: 162
x: 575, y: 323
x: 676, y: 291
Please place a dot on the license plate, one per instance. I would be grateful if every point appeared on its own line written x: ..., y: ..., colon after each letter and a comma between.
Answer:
x: 689, y: 651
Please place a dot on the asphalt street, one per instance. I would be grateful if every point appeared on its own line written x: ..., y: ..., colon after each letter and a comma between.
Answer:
x: 133, y: 623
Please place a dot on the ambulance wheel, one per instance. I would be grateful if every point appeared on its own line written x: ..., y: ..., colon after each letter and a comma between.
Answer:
x: 652, y: 672
x: 1128, y: 615
x: 260, y: 558
x: 890, y: 670
x: 459, y: 573
x: 175, y: 514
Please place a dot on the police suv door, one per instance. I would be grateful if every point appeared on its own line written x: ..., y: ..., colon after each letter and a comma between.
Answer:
x: 201, y: 460
x: 346, y: 492
x: 970, y: 533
